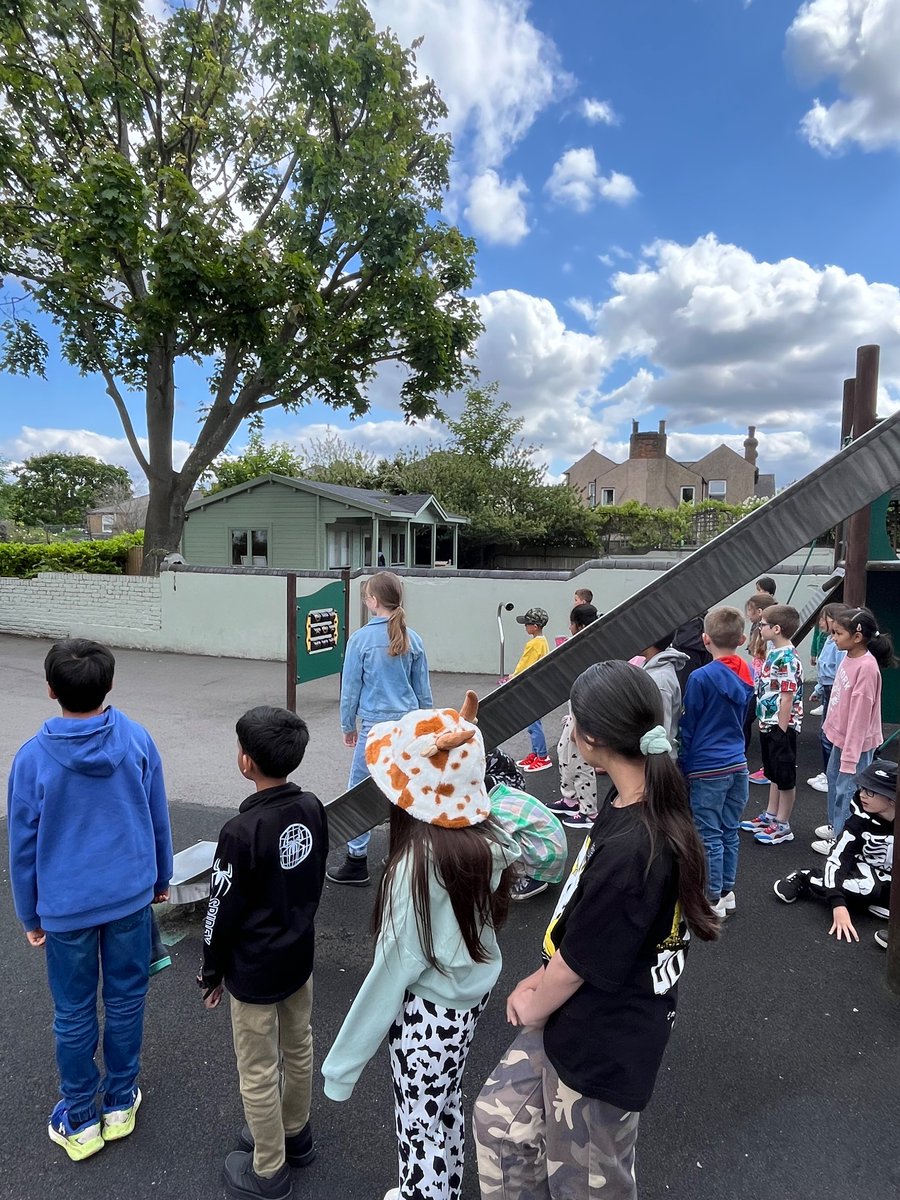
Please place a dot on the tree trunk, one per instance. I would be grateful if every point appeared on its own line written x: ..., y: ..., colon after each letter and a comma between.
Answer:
x: 165, y: 520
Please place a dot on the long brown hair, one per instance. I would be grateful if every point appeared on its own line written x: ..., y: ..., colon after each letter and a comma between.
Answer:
x: 756, y: 646
x: 463, y: 863
x: 614, y: 705
x: 386, y: 588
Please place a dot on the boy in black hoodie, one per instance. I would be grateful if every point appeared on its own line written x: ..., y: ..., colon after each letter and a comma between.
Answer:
x: 267, y: 879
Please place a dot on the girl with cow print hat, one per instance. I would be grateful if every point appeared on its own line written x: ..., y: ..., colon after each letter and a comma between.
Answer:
x: 443, y: 896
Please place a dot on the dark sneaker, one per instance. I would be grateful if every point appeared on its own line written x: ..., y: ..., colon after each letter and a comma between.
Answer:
x: 537, y: 764
x: 878, y: 910
x: 881, y: 937
x: 578, y: 820
x: 562, y: 807
x: 299, y: 1148
x: 526, y: 887
x: 354, y: 871
x: 792, y: 886
x: 118, y: 1122
x: 79, y: 1142
x: 243, y: 1183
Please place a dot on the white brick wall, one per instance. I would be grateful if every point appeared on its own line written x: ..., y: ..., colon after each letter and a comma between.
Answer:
x: 57, y: 604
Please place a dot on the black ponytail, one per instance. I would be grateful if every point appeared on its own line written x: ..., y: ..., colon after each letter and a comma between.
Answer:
x: 879, y: 645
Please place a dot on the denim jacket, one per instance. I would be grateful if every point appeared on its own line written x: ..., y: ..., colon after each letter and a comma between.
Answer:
x: 376, y: 686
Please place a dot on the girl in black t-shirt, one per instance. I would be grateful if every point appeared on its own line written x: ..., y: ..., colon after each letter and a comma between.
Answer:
x: 597, y: 1015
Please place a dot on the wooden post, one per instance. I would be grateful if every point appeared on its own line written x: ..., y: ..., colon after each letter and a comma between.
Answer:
x: 840, y: 533
x: 893, y: 950
x: 857, y: 528
x: 291, y: 702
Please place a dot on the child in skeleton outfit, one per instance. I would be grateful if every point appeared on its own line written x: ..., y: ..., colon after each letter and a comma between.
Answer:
x: 558, y: 1117
x: 857, y: 873
x: 442, y: 898
x: 267, y: 879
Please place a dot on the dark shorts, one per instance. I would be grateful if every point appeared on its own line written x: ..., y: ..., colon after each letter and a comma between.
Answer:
x: 779, y: 756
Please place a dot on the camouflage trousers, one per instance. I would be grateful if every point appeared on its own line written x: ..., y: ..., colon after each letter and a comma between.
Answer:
x: 577, y: 780
x: 537, y: 1139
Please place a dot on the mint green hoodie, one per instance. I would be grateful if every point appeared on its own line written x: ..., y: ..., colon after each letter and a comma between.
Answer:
x: 400, y: 967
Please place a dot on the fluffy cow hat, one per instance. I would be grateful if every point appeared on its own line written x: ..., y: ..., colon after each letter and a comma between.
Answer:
x: 431, y: 763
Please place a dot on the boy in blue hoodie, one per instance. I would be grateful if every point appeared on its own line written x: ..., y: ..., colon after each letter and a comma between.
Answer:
x: 90, y: 849
x: 713, y: 754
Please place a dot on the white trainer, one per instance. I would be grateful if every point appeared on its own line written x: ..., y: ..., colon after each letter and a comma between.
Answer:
x: 819, y: 783
x: 825, y: 833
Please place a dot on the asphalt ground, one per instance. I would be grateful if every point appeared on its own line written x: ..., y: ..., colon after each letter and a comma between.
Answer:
x: 781, y: 1078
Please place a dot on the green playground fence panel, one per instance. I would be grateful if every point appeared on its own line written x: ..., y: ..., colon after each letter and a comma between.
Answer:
x: 321, y: 633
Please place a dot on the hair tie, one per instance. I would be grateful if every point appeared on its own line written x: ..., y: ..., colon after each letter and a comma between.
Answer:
x: 655, y: 741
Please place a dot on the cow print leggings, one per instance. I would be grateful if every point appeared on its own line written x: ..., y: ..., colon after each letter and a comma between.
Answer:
x: 428, y: 1047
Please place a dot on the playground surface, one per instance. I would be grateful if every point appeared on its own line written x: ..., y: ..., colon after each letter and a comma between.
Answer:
x: 781, y: 1075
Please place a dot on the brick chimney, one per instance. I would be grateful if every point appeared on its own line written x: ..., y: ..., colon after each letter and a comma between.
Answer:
x: 751, y: 445
x: 648, y: 445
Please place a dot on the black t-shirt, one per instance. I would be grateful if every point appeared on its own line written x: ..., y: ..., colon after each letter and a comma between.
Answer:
x: 618, y: 925
x: 266, y: 882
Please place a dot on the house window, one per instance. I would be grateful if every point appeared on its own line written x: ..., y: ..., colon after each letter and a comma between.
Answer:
x: 249, y: 547
x: 607, y: 495
x: 687, y: 495
x: 592, y: 493
x: 717, y: 489
x: 398, y: 549
x: 108, y: 523
x: 338, y: 547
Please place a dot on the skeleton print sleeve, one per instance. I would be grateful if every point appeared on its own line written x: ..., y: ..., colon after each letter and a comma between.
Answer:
x: 226, y: 905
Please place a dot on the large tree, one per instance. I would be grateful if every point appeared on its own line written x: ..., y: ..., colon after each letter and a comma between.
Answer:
x: 58, y: 489
x: 252, y: 186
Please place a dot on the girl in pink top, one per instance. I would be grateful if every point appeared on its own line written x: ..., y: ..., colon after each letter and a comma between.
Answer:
x: 853, y: 723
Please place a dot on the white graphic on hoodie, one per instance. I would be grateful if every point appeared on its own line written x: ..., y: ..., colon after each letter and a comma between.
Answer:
x: 293, y: 846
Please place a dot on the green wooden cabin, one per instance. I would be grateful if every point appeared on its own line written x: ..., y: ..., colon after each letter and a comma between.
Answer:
x: 274, y: 521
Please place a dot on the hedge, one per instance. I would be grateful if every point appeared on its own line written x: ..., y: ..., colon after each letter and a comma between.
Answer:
x: 24, y: 560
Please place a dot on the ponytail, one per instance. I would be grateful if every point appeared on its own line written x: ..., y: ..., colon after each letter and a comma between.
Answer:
x: 879, y: 645
x: 386, y: 589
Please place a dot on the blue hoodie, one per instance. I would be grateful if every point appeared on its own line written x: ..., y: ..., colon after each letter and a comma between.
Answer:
x: 712, y: 725
x: 89, y: 837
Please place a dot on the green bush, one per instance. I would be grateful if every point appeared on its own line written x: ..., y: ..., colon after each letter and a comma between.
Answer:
x: 108, y: 557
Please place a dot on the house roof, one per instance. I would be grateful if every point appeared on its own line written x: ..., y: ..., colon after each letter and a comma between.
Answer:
x: 382, y: 504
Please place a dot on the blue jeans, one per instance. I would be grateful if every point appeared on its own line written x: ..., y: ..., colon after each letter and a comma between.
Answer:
x: 826, y: 745
x: 538, y: 741
x: 717, y: 804
x: 73, y: 968
x: 359, y: 846
x: 841, y: 788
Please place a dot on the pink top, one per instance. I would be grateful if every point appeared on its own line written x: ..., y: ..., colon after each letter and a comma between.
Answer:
x: 854, y: 710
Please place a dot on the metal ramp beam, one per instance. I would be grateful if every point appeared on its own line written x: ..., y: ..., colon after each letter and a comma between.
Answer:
x: 852, y: 479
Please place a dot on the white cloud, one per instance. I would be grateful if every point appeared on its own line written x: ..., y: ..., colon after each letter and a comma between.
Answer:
x: 497, y: 210
x: 857, y: 43
x: 598, y: 112
x: 495, y: 70
x: 576, y: 182
x: 115, y: 450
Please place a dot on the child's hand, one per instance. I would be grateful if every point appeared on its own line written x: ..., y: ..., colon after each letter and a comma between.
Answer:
x: 517, y: 1004
x: 161, y: 897
x: 842, y: 926
x: 351, y: 738
x: 214, y: 998
x: 36, y: 937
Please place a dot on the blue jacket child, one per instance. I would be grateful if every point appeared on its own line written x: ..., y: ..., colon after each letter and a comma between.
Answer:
x: 90, y: 848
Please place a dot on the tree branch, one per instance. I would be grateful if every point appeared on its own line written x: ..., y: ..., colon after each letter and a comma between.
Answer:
x: 118, y: 400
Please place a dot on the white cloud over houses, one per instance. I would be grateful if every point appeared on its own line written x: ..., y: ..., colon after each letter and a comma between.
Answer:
x: 855, y: 44
x: 497, y: 210
x: 577, y: 183
x: 31, y: 441
x: 495, y: 70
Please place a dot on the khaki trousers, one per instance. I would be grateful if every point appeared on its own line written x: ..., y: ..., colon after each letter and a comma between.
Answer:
x: 273, y: 1045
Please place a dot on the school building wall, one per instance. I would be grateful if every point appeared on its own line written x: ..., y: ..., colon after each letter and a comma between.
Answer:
x: 241, y: 613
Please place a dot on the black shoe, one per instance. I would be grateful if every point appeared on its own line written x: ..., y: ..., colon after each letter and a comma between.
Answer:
x: 793, y: 885
x: 352, y: 870
x: 241, y: 1181
x: 299, y: 1148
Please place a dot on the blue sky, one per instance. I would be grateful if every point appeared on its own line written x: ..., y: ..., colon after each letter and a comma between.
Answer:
x: 684, y: 209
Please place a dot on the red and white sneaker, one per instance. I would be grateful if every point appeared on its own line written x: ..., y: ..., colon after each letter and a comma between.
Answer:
x: 536, y: 763
x: 526, y: 761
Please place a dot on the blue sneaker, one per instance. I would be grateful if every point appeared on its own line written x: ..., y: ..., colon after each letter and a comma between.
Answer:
x: 78, y: 1143
x: 119, y: 1122
x: 775, y: 834
x: 757, y: 824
